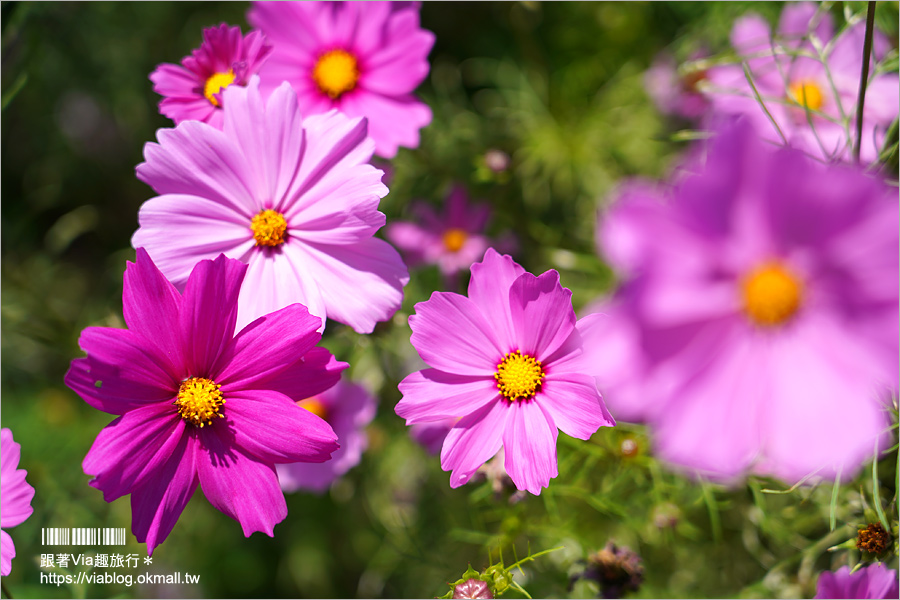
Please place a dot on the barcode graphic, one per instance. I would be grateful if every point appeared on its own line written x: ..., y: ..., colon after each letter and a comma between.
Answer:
x: 83, y: 536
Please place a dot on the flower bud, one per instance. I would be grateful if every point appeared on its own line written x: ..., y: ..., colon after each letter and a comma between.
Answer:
x: 472, y: 588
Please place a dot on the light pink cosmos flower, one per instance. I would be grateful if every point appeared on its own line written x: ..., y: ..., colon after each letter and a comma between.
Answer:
x: 193, y: 90
x: 873, y: 581
x: 198, y: 403
x: 676, y: 93
x: 812, y: 100
x: 348, y: 408
x: 15, y: 497
x: 756, y: 328
x: 362, y: 58
x: 452, y: 239
x: 507, y: 361
x: 294, y: 199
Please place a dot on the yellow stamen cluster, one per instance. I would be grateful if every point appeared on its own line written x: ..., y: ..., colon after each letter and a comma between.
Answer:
x: 199, y: 400
x: 216, y: 83
x: 771, y: 295
x: 336, y: 73
x: 454, y: 239
x: 519, y: 376
x: 315, y: 406
x: 807, y: 93
x: 269, y: 228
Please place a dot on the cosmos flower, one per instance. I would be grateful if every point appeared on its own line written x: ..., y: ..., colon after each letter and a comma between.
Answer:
x: 348, y: 408
x: 295, y: 200
x: 362, y: 58
x: 676, y: 93
x: 507, y: 361
x: 873, y: 581
x: 198, y: 403
x: 193, y: 90
x: 453, y: 239
x: 756, y: 326
x: 431, y: 435
x: 811, y: 99
x: 15, y: 497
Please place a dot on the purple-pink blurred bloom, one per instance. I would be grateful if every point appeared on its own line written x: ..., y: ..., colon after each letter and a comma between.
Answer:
x: 348, y: 408
x: 293, y: 198
x: 431, y: 435
x: 756, y: 327
x: 452, y: 239
x: 193, y: 90
x: 873, y: 581
x: 362, y: 58
x: 15, y: 497
x: 507, y: 362
x: 198, y: 403
x: 676, y: 93
x: 810, y: 96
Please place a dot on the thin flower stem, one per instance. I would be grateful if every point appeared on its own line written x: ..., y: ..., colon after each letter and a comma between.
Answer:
x: 863, y: 81
x: 761, y: 103
x: 5, y: 589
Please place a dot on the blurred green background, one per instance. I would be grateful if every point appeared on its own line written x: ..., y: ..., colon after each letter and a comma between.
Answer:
x: 556, y: 86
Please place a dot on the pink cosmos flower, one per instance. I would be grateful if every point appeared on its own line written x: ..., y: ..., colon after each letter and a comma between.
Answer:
x: 453, y: 240
x: 676, y: 93
x: 506, y: 361
x: 295, y: 200
x: 796, y: 86
x: 15, y: 497
x: 873, y: 581
x: 431, y: 435
x: 756, y: 327
x: 193, y: 91
x: 362, y: 58
x: 199, y: 403
x: 348, y: 408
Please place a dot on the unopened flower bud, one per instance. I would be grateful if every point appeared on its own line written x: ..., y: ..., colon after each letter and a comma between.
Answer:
x: 472, y: 588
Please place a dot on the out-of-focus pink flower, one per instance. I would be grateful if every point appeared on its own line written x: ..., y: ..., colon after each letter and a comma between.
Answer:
x: 293, y: 198
x: 348, y: 408
x: 15, y: 497
x: 873, y: 581
x: 507, y: 362
x: 808, y: 98
x: 756, y: 328
x: 676, y: 93
x: 198, y: 403
x: 194, y: 89
x: 452, y: 240
x: 431, y: 435
x: 362, y: 58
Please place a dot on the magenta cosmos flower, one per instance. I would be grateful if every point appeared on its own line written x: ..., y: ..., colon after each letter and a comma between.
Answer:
x: 873, y: 581
x: 193, y: 91
x: 348, y: 408
x: 756, y: 328
x: 452, y: 239
x: 506, y: 362
x: 795, y: 84
x: 294, y: 199
x: 362, y: 58
x: 15, y: 497
x: 199, y: 403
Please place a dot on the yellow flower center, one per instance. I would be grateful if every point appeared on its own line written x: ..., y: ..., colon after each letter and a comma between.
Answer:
x: 771, y: 295
x: 454, y: 239
x: 199, y: 400
x: 519, y: 376
x: 269, y: 228
x: 807, y: 93
x: 315, y: 406
x: 336, y: 72
x: 216, y: 83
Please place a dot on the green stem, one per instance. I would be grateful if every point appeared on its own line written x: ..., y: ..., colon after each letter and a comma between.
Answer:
x: 864, y: 79
x: 5, y: 589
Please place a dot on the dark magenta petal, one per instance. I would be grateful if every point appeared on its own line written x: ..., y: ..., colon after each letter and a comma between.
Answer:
x: 316, y: 372
x: 151, y: 305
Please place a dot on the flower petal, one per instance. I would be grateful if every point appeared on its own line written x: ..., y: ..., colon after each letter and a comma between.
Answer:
x: 240, y: 485
x: 156, y: 506
x: 151, y: 305
x: 489, y: 288
x: 473, y: 440
x: 542, y: 313
x: 529, y: 443
x: 450, y: 334
x: 575, y: 405
x: 7, y: 553
x: 316, y: 372
x: 433, y: 395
